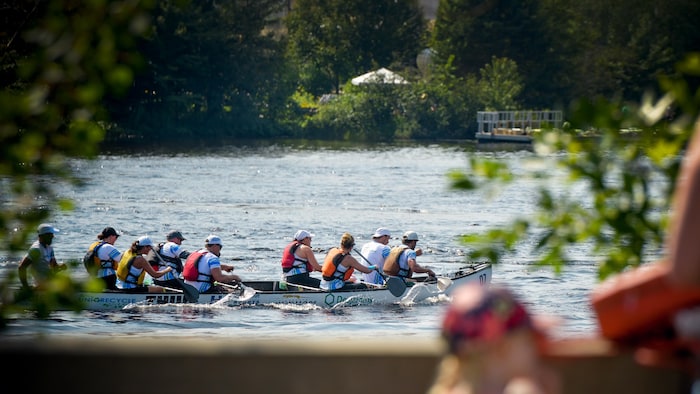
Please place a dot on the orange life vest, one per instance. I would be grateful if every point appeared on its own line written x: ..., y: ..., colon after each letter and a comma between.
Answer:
x: 330, y: 266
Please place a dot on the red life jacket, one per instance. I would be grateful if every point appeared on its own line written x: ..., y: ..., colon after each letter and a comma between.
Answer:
x: 289, y: 260
x: 191, y: 270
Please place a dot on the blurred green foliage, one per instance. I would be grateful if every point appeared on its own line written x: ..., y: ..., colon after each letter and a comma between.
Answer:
x: 61, y: 60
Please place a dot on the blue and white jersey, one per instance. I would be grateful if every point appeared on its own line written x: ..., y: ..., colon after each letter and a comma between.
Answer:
x: 408, y: 254
x: 108, y: 252
x: 170, y: 250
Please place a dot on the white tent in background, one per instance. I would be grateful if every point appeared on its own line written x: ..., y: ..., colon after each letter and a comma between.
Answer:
x: 379, y: 76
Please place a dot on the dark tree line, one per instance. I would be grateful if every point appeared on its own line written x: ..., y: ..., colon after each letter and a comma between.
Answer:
x: 257, y: 69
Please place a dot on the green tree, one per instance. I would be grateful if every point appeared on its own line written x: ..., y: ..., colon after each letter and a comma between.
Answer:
x: 622, y: 47
x: 569, y: 49
x: 60, y: 60
x: 428, y: 106
x: 333, y: 41
x: 475, y: 31
x: 215, y: 68
x: 500, y: 85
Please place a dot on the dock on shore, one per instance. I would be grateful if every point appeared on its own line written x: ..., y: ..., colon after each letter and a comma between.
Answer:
x: 514, y: 126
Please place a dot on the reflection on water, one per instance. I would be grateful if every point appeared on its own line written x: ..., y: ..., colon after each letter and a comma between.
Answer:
x: 256, y: 196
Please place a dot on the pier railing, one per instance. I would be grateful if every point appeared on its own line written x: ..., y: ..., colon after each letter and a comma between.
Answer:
x: 517, y: 122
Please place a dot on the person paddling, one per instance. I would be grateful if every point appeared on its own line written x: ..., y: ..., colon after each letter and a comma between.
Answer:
x: 108, y: 256
x: 339, y: 265
x: 40, y: 258
x: 203, y: 268
x: 375, y: 252
x: 298, y: 261
x: 133, y: 267
x: 169, y: 254
x: 402, y: 259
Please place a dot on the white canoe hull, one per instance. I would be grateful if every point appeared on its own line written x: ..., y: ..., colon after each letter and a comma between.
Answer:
x: 262, y: 293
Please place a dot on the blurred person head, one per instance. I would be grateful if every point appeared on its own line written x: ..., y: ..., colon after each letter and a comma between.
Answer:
x: 493, y: 345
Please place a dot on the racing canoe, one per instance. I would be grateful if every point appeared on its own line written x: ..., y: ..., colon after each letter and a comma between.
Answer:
x: 270, y: 293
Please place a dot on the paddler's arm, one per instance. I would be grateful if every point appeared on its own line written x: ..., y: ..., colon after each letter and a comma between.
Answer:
x: 308, y: 254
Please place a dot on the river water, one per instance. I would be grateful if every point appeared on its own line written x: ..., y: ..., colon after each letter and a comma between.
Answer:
x: 255, y: 197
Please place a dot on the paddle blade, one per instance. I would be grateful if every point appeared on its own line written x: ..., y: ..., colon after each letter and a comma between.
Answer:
x: 443, y: 283
x: 191, y: 293
x: 396, y: 286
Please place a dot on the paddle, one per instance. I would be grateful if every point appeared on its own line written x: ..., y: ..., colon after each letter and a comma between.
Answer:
x: 443, y: 283
x: 174, y: 290
x: 191, y: 294
x: 248, y: 292
x: 395, y: 284
x: 236, y: 286
x: 230, y: 286
x: 304, y: 287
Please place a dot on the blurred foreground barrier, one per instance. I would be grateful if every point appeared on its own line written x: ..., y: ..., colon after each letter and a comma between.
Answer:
x: 180, y: 365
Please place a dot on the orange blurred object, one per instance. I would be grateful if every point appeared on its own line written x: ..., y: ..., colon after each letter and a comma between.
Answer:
x: 641, y: 303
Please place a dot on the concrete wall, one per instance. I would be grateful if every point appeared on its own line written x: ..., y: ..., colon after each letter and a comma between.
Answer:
x: 173, y: 366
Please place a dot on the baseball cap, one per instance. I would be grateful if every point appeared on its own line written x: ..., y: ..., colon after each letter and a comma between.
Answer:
x: 481, y: 315
x: 301, y: 234
x: 109, y: 231
x: 144, y: 241
x: 175, y: 234
x: 381, y: 232
x: 410, y: 236
x: 213, y: 240
x: 45, y: 228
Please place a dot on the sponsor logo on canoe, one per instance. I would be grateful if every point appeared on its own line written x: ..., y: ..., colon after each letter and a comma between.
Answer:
x: 212, y: 297
x: 106, y: 300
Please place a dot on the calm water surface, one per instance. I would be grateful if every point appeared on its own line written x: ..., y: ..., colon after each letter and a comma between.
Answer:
x: 255, y: 198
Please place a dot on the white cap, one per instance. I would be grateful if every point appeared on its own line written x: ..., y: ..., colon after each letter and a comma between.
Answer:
x: 144, y: 241
x: 213, y: 240
x: 381, y: 231
x: 410, y: 236
x: 301, y: 234
x: 46, y: 229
